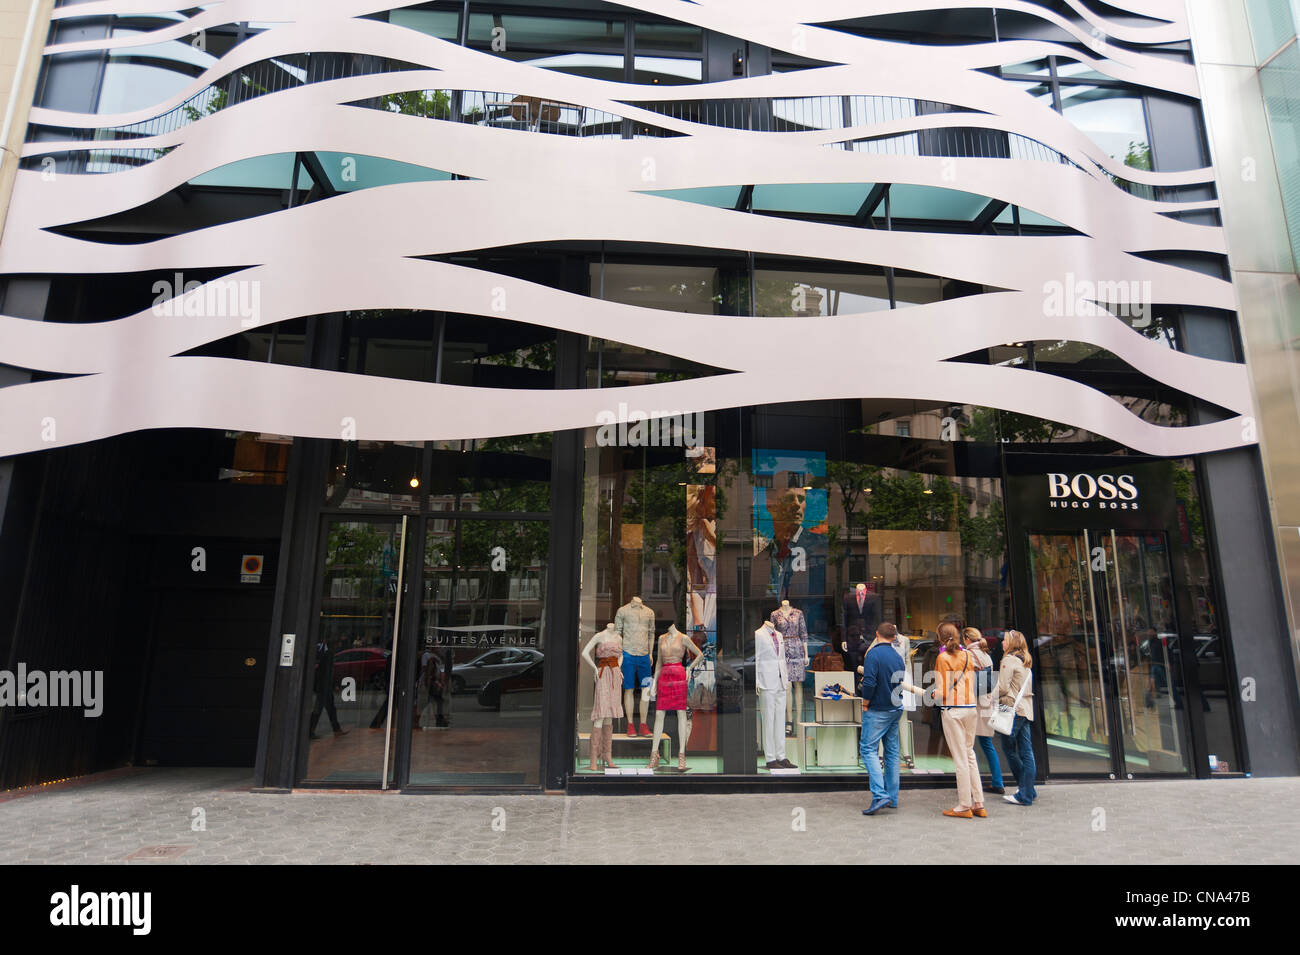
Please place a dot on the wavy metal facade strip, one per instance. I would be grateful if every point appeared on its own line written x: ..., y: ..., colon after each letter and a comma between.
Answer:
x: 355, y: 251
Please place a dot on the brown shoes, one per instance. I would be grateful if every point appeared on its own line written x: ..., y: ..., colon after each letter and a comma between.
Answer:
x: 980, y: 812
x: 959, y: 813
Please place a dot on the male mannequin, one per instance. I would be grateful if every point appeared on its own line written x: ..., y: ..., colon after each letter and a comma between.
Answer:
x: 673, y: 646
x: 861, y: 614
x: 606, y: 706
x: 635, y: 623
x: 771, y: 674
x: 794, y: 635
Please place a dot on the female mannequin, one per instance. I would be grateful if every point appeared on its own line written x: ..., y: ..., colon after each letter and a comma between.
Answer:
x: 669, y: 690
x: 607, y: 705
x: 794, y: 629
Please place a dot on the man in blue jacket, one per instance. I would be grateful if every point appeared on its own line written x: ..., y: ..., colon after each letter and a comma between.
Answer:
x: 882, y: 671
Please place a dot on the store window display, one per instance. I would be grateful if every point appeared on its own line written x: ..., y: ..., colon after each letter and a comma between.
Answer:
x: 812, y: 522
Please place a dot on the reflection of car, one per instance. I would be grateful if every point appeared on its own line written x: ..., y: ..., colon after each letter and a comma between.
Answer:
x: 367, y: 665
x: 1210, y: 667
x: 492, y: 665
x: 520, y: 691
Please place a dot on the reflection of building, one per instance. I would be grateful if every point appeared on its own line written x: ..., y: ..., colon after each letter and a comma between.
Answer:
x: 251, y: 311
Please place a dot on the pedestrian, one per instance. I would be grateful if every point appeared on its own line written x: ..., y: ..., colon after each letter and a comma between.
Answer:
x: 985, y: 704
x: 1015, y: 682
x: 955, y: 676
x: 323, y: 686
x: 883, y: 673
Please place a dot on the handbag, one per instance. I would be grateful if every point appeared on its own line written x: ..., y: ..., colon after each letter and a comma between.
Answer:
x: 1004, y: 720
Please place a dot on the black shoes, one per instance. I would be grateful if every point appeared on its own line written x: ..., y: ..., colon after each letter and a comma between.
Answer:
x: 996, y: 790
x: 773, y: 764
x: 786, y: 764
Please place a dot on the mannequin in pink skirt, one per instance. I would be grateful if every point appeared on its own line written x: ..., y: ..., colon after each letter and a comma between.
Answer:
x: 669, y: 690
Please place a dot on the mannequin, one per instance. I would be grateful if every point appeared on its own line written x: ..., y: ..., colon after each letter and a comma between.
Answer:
x: 635, y: 623
x: 861, y: 615
x: 771, y: 676
x: 669, y: 690
x: 794, y: 631
x: 606, y: 707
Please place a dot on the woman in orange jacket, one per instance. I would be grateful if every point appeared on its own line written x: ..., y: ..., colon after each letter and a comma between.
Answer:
x: 955, y: 676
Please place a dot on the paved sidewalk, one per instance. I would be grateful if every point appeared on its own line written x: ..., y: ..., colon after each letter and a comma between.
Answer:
x: 107, y: 819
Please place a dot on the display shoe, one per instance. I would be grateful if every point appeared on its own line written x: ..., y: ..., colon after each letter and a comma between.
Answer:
x: 645, y: 730
x: 654, y: 760
x: 608, y: 748
x: 681, y: 761
x: 786, y: 764
x: 979, y: 812
x: 959, y: 813
x: 631, y: 730
x: 773, y: 764
x: 596, y: 744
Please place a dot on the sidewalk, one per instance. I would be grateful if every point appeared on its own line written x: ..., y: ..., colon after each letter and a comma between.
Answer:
x: 107, y: 819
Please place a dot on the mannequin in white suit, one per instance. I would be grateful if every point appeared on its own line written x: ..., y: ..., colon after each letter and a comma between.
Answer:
x: 771, y: 676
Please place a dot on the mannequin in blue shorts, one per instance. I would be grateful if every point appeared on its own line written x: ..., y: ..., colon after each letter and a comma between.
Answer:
x: 635, y: 623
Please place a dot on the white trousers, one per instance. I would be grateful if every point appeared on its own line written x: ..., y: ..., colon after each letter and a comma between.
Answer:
x: 771, y: 704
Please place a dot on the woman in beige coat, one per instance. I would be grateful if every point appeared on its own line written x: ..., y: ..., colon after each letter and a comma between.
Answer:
x: 1019, y: 747
x: 985, y: 681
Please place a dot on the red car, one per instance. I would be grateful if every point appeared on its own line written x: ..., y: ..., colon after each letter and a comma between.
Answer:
x: 368, y: 666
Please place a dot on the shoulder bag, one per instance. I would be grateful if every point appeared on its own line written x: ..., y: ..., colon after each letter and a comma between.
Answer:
x: 1004, y: 720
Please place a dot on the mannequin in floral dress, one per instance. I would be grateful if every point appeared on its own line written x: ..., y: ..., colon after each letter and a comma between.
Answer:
x: 794, y: 631
x: 669, y: 690
x: 607, y: 706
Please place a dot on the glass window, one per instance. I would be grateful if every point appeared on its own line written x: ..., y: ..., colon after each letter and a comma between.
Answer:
x: 1113, y: 118
x: 444, y: 24
x: 776, y: 513
x: 819, y: 293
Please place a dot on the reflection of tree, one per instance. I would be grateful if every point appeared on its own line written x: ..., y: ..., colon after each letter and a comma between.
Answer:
x: 990, y: 426
x: 430, y: 104
x: 854, y: 482
x: 357, y: 551
x: 656, y: 499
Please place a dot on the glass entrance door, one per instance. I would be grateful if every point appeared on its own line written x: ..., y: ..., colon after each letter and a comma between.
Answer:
x: 350, y: 679
x: 1106, y: 653
x: 478, y: 677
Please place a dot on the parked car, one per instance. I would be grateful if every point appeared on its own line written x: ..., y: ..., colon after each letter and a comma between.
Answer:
x: 368, y: 666
x: 521, y: 691
x: 492, y: 665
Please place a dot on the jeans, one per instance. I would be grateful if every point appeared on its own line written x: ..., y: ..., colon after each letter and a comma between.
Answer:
x: 991, y: 757
x: 1019, y: 749
x: 878, y: 725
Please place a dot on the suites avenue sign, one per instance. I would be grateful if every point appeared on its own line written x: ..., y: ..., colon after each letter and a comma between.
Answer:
x: 1116, y: 492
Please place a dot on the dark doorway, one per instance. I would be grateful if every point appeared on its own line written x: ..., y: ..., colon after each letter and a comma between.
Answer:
x: 207, y: 654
